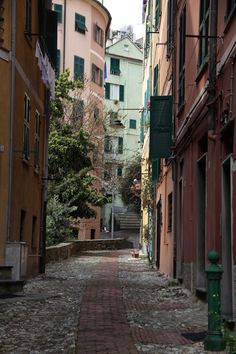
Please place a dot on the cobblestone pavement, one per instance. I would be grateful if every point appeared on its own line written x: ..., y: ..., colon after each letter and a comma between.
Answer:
x: 102, y: 302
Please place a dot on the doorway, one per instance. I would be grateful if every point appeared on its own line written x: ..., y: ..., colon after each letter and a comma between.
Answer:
x: 158, y: 233
x: 201, y: 224
x: 227, y: 243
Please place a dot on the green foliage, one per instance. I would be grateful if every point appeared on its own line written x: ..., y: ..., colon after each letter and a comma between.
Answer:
x: 230, y: 338
x: 58, y: 221
x: 63, y: 95
x: 71, y: 191
x: 68, y: 151
x: 130, y: 191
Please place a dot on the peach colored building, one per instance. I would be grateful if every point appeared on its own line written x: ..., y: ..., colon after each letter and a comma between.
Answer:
x: 82, y: 31
x: 24, y: 100
x: 158, y: 83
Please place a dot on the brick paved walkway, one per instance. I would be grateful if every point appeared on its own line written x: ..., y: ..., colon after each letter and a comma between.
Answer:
x: 103, y: 326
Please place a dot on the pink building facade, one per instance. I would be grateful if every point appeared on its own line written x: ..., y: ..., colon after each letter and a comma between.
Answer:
x: 82, y: 31
x: 205, y: 143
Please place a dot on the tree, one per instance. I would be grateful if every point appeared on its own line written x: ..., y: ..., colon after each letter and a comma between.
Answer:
x: 130, y: 184
x: 72, y: 193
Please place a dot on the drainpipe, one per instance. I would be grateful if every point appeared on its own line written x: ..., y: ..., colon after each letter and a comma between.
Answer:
x: 44, y: 189
x: 211, y: 198
x: 64, y: 37
x: 212, y: 65
x: 12, y: 113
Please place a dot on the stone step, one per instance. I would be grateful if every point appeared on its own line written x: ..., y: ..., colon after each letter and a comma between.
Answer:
x: 5, y: 272
x: 8, y: 287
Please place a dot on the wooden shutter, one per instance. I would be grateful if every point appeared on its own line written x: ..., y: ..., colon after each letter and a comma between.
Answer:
x: 160, y: 127
x: 51, y: 35
x: 101, y: 78
x: 155, y: 169
x: 107, y: 90
x: 121, y: 93
x: 120, y: 145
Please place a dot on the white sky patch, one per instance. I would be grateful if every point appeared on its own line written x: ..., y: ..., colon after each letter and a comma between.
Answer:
x: 126, y: 12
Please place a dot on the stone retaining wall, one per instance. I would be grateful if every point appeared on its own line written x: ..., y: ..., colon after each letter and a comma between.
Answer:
x: 65, y: 250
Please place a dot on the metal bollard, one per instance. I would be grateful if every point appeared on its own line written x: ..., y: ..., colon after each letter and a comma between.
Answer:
x: 214, y: 340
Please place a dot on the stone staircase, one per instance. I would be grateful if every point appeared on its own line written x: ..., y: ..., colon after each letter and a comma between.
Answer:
x: 7, y: 285
x: 129, y: 221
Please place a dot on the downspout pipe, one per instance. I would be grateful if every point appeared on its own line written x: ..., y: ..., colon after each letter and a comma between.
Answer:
x: 64, y: 37
x: 212, y: 64
x: 12, y: 114
x: 42, y: 263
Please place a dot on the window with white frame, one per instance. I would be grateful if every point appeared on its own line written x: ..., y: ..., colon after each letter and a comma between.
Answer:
x: 26, y: 127
x: 114, y: 92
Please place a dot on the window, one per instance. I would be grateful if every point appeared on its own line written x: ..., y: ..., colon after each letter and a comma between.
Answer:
x: 169, y: 27
x: 182, y: 31
x: 132, y: 124
x: 26, y: 127
x: 231, y: 5
x: 107, y: 144
x: 78, y: 68
x: 78, y: 111
x: 97, y: 75
x: 58, y: 10
x: 99, y: 36
x: 157, y: 13
x: 33, y: 234
x: 120, y: 145
x: 155, y: 82
x: 28, y: 17
x: 115, y: 66
x: 114, y: 92
x: 80, y: 24
x: 169, y: 212
x: 22, y: 224
x: 58, y: 63
x: 96, y: 113
x: 203, y: 32
x: 37, y: 139
x: 95, y: 154
x: 113, y: 117
x: 120, y: 171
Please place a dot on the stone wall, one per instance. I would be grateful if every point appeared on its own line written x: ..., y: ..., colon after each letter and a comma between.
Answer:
x: 65, y: 250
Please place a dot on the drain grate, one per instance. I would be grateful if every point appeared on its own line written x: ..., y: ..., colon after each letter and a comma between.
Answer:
x: 195, y: 336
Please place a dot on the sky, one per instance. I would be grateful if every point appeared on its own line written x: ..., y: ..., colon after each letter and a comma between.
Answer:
x: 126, y: 12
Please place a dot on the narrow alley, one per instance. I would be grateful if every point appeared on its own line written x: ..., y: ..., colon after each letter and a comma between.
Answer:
x: 102, y: 302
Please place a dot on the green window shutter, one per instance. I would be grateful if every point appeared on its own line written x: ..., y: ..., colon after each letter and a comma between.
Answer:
x: 101, y: 78
x: 80, y: 23
x: 132, y: 124
x: 115, y: 66
x: 119, y: 171
x: 155, y: 169
x: 51, y: 35
x: 169, y: 26
x: 122, y: 93
x: 58, y: 62
x: 93, y: 72
x: 58, y: 10
x: 155, y: 82
x: 120, y: 145
x: 102, y: 39
x: 78, y: 68
x: 160, y: 127
x: 28, y: 17
x: 107, y: 90
x: 157, y: 13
